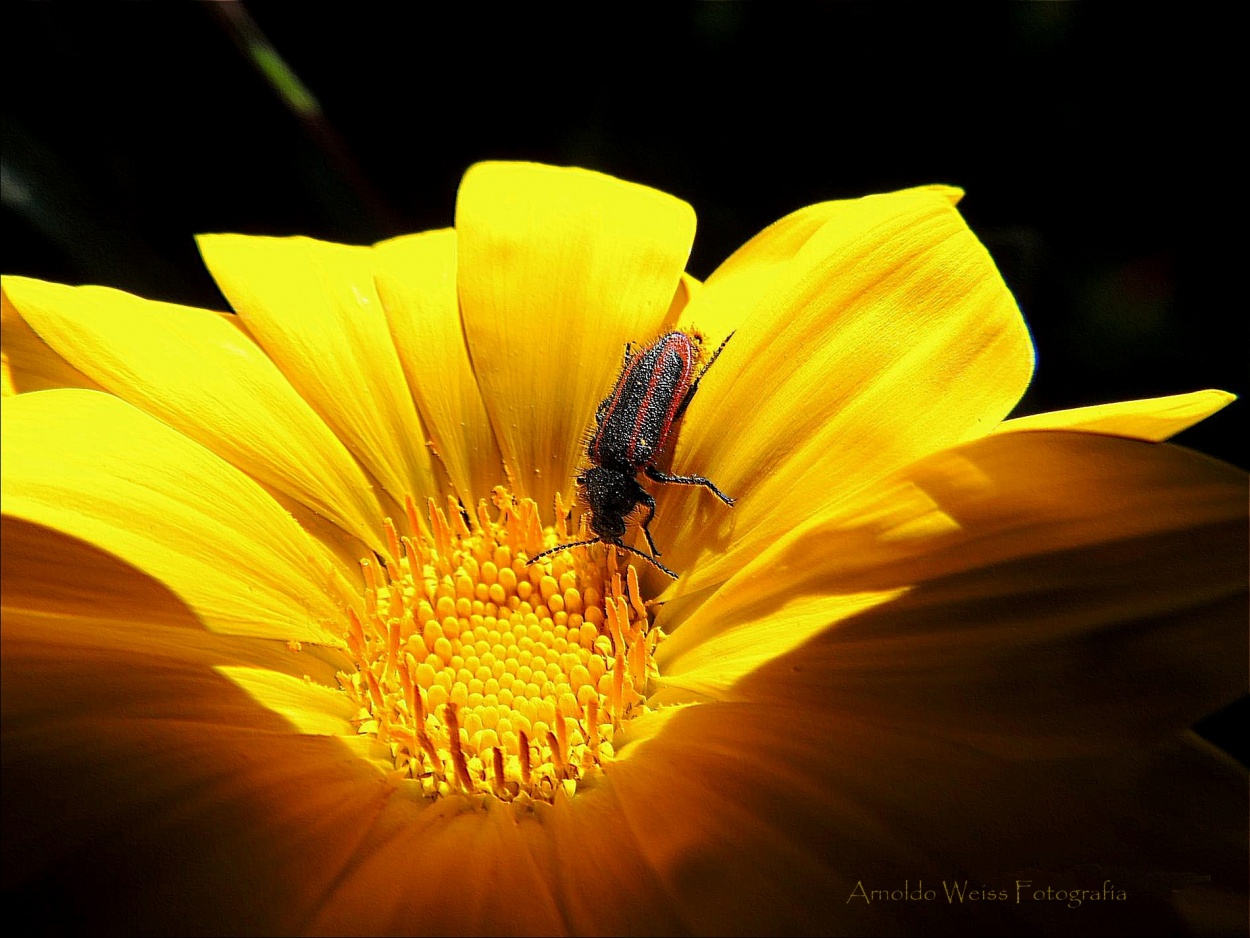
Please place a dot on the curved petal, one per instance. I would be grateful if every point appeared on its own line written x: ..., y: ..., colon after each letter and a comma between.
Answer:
x: 197, y: 372
x: 310, y: 708
x: 716, y: 647
x: 886, y: 335
x: 738, y: 810
x: 1153, y: 419
x: 122, y: 749
x: 688, y: 288
x: 1056, y: 590
x: 90, y: 465
x: 313, y: 308
x: 493, y: 886
x: 416, y: 279
x: 575, y: 868
x: 766, y: 819
x: 773, y: 819
x: 745, y: 278
x: 66, y: 582
x: 558, y: 269
x: 30, y: 364
x: 238, y: 829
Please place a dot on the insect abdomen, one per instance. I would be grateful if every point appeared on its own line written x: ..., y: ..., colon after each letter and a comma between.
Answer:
x: 639, y: 414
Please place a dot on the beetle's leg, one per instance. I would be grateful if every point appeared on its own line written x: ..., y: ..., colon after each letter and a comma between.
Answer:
x: 694, y: 385
x: 658, y: 476
x: 649, y: 503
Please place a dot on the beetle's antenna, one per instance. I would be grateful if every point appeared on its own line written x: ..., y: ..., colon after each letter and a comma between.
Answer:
x: 559, y: 547
x: 651, y: 560
x: 595, y: 540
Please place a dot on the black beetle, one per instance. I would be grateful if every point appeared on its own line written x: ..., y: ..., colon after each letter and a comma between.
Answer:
x: 632, y: 424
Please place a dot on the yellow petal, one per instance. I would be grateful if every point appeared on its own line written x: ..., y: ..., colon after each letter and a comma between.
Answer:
x: 119, y: 738
x: 1060, y: 591
x: 416, y: 280
x: 644, y: 900
x: 313, y: 308
x: 261, y: 821
x: 713, y: 651
x: 883, y: 336
x: 505, y: 881
x: 29, y: 363
x: 63, y: 582
x: 687, y: 288
x: 740, y: 283
x: 775, y: 816
x: 197, y: 372
x: 1153, y: 419
x: 309, y: 707
x: 69, y: 602
x: 729, y: 812
x: 559, y: 268
x: 95, y: 467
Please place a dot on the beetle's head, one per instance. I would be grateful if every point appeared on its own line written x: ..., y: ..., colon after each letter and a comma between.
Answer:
x: 611, y: 496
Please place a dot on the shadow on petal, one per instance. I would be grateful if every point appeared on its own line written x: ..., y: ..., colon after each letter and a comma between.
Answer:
x: 762, y: 818
x: 142, y: 792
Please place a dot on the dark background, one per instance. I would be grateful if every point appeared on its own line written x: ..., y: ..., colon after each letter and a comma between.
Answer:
x: 1095, y: 142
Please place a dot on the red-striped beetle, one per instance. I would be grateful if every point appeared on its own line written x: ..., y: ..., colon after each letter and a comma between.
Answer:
x: 632, y: 424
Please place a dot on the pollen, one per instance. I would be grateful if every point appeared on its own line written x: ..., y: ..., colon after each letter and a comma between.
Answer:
x: 484, y: 676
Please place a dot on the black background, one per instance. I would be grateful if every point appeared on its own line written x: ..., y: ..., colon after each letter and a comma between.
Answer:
x: 1095, y: 142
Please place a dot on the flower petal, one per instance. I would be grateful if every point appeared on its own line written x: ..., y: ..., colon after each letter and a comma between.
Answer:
x: 144, y: 792
x: 494, y: 884
x: 687, y: 288
x: 416, y: 280
x: 1060, y: 591
x: 735, y: 813
x: 310, y: 708
x: 745, y: 278
x: 95, y: 467
x: 199, y: 373
x: 887, y: 334
x: 1153, y: 419
x: 559, y: 268
x: 122, y: 748
x: 313, y: 308
x: 29, y: 363
x: 763, y: 818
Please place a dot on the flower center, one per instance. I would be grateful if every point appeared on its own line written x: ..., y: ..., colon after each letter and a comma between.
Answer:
x: 484, y: 675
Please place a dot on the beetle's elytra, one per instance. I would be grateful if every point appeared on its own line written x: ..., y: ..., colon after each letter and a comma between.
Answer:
x: 632, y: 424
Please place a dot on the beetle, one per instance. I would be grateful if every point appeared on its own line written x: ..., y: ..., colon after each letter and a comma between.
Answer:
x: 632, y: 424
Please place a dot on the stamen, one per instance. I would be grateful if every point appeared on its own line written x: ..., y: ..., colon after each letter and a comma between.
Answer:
x: 526, y: 768
x: 457, y: 517
x: 504, y: 789
x: 452, y: 718
x: 635, y: 594
x: 562, y: 517
x: 557, y: 756
x: 392, y: 647
x: 414, y: 523
x: 592, y: 725
x: 375, y: 690
x: 392, y: 539
x: 488, y: 676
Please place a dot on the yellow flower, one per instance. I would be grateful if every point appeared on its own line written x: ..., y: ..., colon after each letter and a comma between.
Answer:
x: 926, y: 647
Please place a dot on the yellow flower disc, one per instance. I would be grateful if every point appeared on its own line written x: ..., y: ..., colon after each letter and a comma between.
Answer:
x: 485, y: 675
